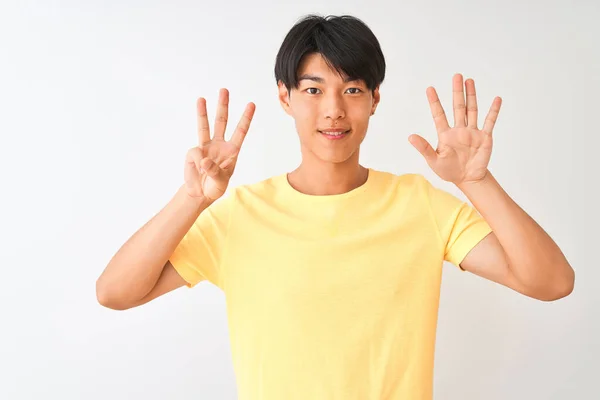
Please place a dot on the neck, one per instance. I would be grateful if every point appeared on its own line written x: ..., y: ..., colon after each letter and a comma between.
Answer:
x: 322, y: 179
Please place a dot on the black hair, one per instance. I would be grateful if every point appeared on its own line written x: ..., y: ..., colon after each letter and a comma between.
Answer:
x: 345, y: 42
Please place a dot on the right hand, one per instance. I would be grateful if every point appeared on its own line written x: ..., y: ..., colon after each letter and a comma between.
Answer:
x: 209, y: 166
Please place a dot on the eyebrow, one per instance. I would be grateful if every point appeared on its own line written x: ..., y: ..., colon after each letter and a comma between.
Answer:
x: 318, y: 79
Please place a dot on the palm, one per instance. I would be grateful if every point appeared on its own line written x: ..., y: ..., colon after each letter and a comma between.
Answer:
x: 463, y: 155
x: 218, y: 151
x: 210, y: 165
x: 463, y: 152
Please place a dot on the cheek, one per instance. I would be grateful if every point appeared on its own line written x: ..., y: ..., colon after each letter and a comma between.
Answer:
x: 305, y: 115
x: 360, y: 115
x: 363, y: 109
x: 306, y: 109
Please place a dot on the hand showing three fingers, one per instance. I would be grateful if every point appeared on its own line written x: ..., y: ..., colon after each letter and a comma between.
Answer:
x: 209, y: 166
x: 463, y: 152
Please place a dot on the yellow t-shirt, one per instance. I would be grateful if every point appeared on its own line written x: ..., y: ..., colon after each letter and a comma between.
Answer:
x: 331, y: 297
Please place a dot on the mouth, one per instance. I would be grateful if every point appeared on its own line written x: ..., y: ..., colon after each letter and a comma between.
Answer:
x: 335, y: 134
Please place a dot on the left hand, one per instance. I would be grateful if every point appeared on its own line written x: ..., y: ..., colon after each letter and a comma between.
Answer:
x: 463, y: 152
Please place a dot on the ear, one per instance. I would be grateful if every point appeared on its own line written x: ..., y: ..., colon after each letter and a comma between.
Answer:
x: 376, y: 98
x: 284, y: 97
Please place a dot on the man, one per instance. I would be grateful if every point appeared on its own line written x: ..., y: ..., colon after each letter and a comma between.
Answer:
x: 332, y: 272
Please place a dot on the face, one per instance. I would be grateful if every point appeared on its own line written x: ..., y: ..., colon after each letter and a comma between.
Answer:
x: 324, y: 100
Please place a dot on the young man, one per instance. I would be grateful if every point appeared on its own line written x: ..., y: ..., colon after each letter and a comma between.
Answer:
x: 332, y: 272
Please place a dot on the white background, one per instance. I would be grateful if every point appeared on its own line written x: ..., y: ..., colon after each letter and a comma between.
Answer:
x: 97, y: 112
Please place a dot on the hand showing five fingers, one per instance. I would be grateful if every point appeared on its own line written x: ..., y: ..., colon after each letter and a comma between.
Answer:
x: 463, y: 152
x: 209, y: 166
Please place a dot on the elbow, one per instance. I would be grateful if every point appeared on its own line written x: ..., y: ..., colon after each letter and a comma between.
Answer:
x: 556, y: 294
x: 107, y: 298
x: 562, y: 288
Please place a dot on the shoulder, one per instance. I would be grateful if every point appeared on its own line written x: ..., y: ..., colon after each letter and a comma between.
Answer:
x: 415, y: 190
x: 253, y: 192
x: 402, y: 182
x: 261, y: 187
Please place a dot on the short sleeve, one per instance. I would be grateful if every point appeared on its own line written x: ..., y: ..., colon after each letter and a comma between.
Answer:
x: 198, y: 256
x: 460, y: 226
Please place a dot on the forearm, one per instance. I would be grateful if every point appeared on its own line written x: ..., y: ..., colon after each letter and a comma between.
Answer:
x: 135, y: 268
x: 533, y: 257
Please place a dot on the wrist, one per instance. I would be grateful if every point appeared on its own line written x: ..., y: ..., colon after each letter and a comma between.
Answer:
x: 486, y: 178
x: 197, y: 202
x: 476, y: 188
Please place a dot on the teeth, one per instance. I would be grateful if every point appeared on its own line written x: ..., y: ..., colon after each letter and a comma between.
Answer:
x: 333, y: 133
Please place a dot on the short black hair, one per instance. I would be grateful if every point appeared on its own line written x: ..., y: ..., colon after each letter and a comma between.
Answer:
x: 345, y: 42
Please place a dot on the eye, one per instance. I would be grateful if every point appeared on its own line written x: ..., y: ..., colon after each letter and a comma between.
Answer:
x: 357, y: 90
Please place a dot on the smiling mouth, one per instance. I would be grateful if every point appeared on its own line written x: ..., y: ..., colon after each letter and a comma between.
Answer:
x: 334, y: 134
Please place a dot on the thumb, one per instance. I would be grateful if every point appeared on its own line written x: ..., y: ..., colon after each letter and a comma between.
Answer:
x: 210, y: 167
x: 423, y: 147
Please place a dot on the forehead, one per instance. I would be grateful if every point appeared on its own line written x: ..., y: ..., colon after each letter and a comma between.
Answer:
x: 314, y: 66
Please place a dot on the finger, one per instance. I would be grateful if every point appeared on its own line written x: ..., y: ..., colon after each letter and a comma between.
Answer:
x: 423, y: 147
x: 437, y: 111
x: 203, y: 127
x: 458, y: 101
x: 490, y: 120
x: 228, y: 162
x: 192, y: 160
x: 210, y: 167
x: 243, y: 126
x: 222, y: 114
x: 471, y: 104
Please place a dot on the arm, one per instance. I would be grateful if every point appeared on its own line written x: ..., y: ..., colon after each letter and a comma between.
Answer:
x: 518, y: 254
x: 140, y: 271
x: 168, y: 281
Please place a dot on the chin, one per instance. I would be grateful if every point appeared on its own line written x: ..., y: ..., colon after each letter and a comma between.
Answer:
x: 334, y: 157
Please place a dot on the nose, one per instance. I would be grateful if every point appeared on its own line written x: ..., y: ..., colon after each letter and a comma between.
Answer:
x: 333, y: 107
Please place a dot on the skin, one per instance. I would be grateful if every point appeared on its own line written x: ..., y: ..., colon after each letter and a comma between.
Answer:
x: 140, y: 271
x: 518, y: 253
x: 325, y: 100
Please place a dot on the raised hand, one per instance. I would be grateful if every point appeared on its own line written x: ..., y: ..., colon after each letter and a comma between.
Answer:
x: 463, y: 152
x: 209, y: 166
